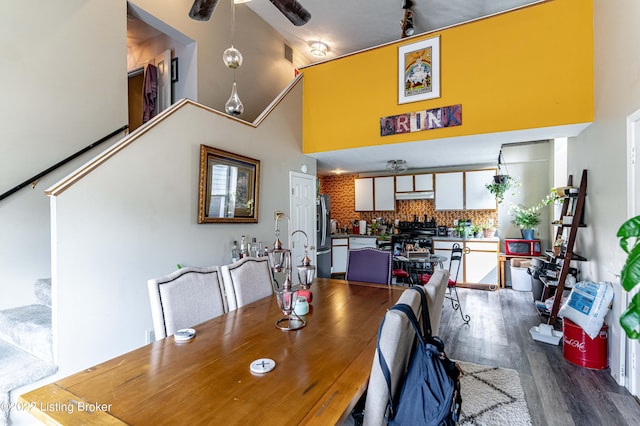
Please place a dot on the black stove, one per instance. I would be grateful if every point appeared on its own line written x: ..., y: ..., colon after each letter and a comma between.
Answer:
x: 425, y: 228
x: 417, y: 233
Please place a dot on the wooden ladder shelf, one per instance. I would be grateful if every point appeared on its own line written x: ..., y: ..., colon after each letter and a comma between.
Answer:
x: 569, y: 255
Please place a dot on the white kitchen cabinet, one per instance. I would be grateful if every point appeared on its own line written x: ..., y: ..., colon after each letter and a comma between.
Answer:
x: 479, y: 260
x: 404, y: 183
x: 375, y: 194
x: 384, y: 194
x: 477, y: 196
x: 362, y: 242
x: 339, y: 249
x: 423, y: 182
x: 449, y: 191
x: 414, y: 183
x: 364, y: 194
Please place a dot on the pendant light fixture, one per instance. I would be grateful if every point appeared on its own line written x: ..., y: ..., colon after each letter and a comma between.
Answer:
x: 232, y: 58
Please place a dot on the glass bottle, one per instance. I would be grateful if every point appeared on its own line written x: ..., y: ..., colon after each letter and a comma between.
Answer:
x: 253, y: 248
x: 235, y: 253
x: 243, y: 247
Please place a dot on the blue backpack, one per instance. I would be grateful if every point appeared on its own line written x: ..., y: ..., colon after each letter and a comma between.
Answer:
x: 430, y: 393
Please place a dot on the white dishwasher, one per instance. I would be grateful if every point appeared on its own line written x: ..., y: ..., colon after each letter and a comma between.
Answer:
x: 362, y: 242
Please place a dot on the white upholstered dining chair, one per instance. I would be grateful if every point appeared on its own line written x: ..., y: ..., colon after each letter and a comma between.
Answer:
x: 184, y: 298
x: 247, y: 280
x: 395, y: 341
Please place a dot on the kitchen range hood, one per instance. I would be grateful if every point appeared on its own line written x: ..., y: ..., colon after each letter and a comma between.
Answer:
x: 419, y: 195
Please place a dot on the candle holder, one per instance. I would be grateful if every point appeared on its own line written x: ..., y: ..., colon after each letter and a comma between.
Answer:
x: 281, y: 262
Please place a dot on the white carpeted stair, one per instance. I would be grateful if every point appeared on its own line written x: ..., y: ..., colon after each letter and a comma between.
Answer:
x: 26, y: 352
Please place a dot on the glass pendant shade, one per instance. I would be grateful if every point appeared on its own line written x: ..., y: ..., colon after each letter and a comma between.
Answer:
x: 234, y: 106
x: 232, y: 58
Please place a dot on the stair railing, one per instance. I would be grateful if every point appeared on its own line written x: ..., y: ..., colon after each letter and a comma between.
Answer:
x: 37, y: 177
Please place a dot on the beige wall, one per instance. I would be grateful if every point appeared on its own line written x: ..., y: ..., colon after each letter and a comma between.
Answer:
x: 135, y: 218
x: 64, y: 86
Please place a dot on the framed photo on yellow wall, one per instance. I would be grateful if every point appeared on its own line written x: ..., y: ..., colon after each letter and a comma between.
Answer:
x: 419, y: 71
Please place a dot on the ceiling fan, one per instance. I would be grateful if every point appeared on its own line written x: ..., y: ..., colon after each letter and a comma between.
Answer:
x: 294, y: 11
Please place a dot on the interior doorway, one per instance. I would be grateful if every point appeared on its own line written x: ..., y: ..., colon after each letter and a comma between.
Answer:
x: 153, y: 42
x: 633, y: 209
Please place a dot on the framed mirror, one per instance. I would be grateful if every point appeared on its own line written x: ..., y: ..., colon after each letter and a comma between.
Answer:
x: 228, y: 189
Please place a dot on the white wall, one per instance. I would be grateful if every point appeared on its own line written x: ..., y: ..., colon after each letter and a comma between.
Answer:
x: 63, y: 87
x: 135, y: 217
x: 601, y: 148
x: 530, y: 164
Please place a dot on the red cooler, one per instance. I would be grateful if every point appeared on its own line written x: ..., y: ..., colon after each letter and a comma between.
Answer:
x: 582, y: 350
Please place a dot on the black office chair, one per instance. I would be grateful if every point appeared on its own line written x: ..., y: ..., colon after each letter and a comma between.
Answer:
x: 456, y: 257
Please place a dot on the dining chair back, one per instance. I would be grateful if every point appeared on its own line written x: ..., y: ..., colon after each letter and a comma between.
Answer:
x: 396, y: 339
x: 369, y: 265
x: 184, y: 298
x: 247, y: 280
x: 454, y: 270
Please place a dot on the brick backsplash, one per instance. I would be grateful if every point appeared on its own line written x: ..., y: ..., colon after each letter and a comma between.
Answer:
x: 341, y: 190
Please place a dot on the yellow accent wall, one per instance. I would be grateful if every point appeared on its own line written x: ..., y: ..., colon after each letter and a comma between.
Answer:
x: 529, y: 68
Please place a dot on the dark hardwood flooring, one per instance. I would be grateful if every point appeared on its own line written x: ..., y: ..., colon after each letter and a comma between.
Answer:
x: 557, y: 392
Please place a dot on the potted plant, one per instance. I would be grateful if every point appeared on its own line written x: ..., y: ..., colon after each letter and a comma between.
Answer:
x: 500, y: 184
x: 630, y: 276
x: 476, y: 230
x: 488, y: 230
x: 527, y: 219
x: 557, y: 246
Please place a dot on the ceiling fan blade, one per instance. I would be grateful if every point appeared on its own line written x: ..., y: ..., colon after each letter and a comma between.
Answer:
x: 202, y: 9
x: 293, y: 10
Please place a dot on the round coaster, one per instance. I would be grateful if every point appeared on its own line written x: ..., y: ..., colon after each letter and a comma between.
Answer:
x: 184, y: 334
x: 262, y: 365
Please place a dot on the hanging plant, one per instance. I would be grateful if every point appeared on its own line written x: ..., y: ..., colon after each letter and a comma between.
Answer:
x: 630, y: 276
x: 500, y: 185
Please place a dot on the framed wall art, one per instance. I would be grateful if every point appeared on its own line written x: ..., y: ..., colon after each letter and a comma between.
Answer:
x: 228, y: 187
x: 419, y: 71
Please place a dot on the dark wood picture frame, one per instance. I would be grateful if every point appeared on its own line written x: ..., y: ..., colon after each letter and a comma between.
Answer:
x: 228, y: 188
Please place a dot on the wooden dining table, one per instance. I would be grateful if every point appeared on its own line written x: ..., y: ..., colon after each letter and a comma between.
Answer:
x: 321, y: 369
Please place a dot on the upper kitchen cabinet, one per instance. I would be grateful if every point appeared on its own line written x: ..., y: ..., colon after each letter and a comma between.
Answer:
x: 364, y: 194
x: 375, y: 194
x: 384, y: 194
x: 414, y: 183
x: 477, y: 197
x: 449, y: 191
x: 464, y: 190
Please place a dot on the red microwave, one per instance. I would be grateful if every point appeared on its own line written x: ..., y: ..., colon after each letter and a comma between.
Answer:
x: 520, y: 247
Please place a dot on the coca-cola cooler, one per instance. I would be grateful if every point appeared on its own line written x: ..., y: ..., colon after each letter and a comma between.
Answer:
x: 582, y: 350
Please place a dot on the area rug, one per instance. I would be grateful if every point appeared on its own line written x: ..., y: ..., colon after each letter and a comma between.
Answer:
x: 492, y: 396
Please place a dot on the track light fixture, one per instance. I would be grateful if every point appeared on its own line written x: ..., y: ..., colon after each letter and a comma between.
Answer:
x: 407, y: 22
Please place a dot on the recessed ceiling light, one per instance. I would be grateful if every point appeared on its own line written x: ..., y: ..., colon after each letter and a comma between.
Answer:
x: 241, y: 1
x: 318, y: 48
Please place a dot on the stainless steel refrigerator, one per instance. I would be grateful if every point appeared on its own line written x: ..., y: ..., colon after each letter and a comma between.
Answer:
x: 323, y: 237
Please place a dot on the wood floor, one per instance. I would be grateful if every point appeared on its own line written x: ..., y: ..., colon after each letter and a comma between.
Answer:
x: 557, y: 392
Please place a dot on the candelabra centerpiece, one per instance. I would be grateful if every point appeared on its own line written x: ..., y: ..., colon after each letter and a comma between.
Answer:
x: 281, y: 262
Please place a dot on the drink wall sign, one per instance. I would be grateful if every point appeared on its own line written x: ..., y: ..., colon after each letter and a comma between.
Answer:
x: 419, y: 121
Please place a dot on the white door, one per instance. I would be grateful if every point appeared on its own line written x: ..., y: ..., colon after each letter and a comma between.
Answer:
x: 163, y: 65
x: 633, y: 209
x: 302, y: 205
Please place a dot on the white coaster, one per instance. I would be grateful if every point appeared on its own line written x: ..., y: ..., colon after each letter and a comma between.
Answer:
x: 262, y: 365
x: 184, y: 334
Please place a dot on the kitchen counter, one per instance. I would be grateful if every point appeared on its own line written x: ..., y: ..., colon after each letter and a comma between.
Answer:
x: 354, y: 235
x: 489, y: 240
